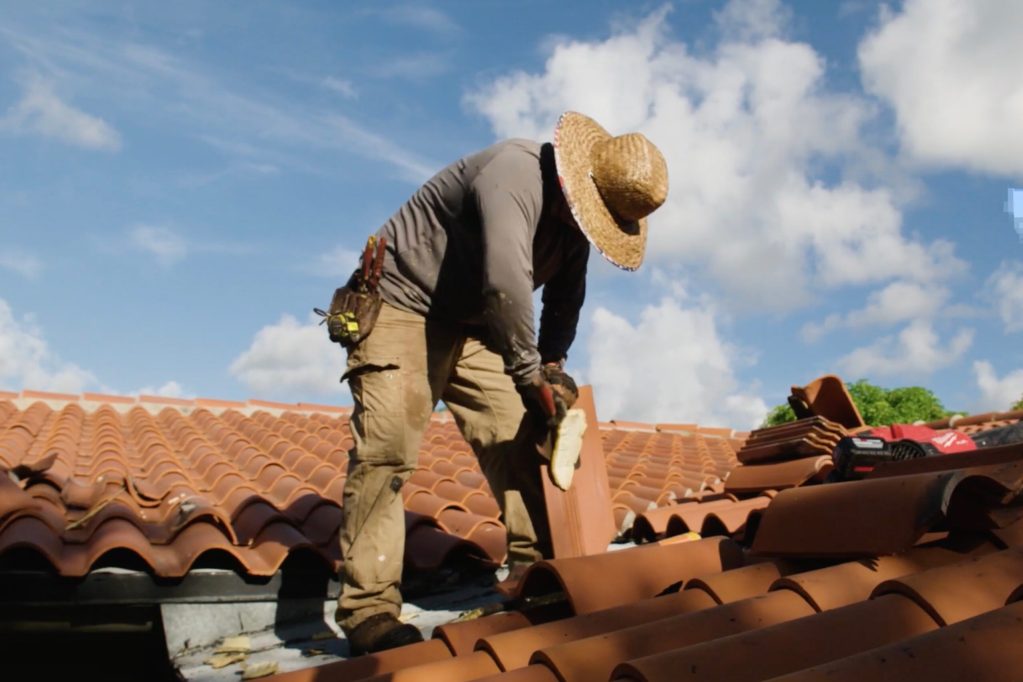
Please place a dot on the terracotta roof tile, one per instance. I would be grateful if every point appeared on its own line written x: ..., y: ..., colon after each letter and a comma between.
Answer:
x: 173, y: 487
x: 804, y: 438
x: 164, y: 400
x: 47, y: 395
x: 785, y: 646
x: 828, y: 397
x: 985, y: 647
x: 515, y: 648
x: 186, y: 488
x: 370, y: 665
x: 110, y: 399
x: 707, y: 609
x: 777, y: 476
x: 655, y: 567
x: 461, y: 637
x: 953, y: 593
x: 977, y: 422
x: 876, y: 516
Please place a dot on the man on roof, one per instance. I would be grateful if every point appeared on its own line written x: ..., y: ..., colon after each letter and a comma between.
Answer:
x: 463, y: 256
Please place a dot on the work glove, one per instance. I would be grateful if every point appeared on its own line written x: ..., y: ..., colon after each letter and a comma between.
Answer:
x: 562, y: 384
x: 547, y: 399
x: 543, y: 403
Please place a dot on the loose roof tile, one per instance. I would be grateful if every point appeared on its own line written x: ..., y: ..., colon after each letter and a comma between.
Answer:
x: 828, y: 397
x: 596, y: 582
x: 878, y: 516
x: 985, y: 647
x: 777, y: 476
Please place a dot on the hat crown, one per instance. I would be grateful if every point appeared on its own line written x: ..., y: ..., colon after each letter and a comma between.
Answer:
x: 631, y: 175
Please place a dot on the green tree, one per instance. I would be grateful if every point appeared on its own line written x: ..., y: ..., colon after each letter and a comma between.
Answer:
x: 1019, y: 404
x: 880, y: 406
x: 780, y: 415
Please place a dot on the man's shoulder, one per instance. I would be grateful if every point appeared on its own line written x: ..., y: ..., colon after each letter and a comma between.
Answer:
x: 515, y: 158
x: 520, y: 145
x: 512, y: 151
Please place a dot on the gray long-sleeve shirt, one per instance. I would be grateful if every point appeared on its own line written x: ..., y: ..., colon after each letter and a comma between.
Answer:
x: 474, y: 242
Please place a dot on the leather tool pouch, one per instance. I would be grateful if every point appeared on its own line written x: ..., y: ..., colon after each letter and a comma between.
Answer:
x: 355, y: 307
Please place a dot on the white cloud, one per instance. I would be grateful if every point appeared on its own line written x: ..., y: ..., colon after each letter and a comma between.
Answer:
x: 422, y: 17
x: 951, y: 71
x: 341, y: 86
x: 916, y: 352
x: 40, y: 111
x: 671, y: 365
x: 26, y: 360
x: 170, y: 389
x: 291, y: 359
x: 745, y: 128
x: 997, y: 394
x: 754, y: 20
x: 166, y: 245
x: 343, y: 131
x: 413, y: 66
x: 898, y: 302
x: 221, y: 112
x: 1005, y: 288
x: 25, y: 264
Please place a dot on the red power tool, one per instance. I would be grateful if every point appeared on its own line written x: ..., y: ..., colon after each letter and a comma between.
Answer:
x: 856, y: 456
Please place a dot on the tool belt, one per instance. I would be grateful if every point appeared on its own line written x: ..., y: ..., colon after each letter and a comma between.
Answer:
x: 355, y: 307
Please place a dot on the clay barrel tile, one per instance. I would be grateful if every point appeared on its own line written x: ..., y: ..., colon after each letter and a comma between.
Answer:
x: 731, y: 519
x: 982, y: 648
x: 483, y: 504
x: 471, y: 666
x: 652, y: 524
x: 857, y: 518
x: 843, y: 584
x: 322, y: 524
x: 531, y: 673
x: 768, y: 651
x: 427, y: 548
x: 740, y: 583
x: 963, y: 590
x: 754, y: 478
x: 600, y: 581
x: 595, y: 658
x: 365, y: 667
x: 513, y: 649
x: 461, y: 636
x: 425, y: 502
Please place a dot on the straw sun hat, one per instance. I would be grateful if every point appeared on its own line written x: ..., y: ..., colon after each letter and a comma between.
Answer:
x: 611, y: 185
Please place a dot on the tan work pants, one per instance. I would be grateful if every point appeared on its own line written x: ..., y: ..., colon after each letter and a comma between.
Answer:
x: 397, y: 375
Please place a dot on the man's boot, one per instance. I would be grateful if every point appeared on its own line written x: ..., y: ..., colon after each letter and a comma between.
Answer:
x: 380, y: 632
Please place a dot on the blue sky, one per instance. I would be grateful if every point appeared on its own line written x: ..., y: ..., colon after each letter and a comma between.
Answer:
x: 180, y: 183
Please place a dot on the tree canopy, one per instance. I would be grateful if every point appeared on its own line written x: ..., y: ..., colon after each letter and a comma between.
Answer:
x: 881, y: 406
x: 1019, y: 404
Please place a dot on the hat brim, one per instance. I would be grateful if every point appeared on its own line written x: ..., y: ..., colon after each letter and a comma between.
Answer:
x: 621, y: 242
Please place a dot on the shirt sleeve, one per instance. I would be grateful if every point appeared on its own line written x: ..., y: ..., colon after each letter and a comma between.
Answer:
x: 509, y: 207
x: 563, y: 298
